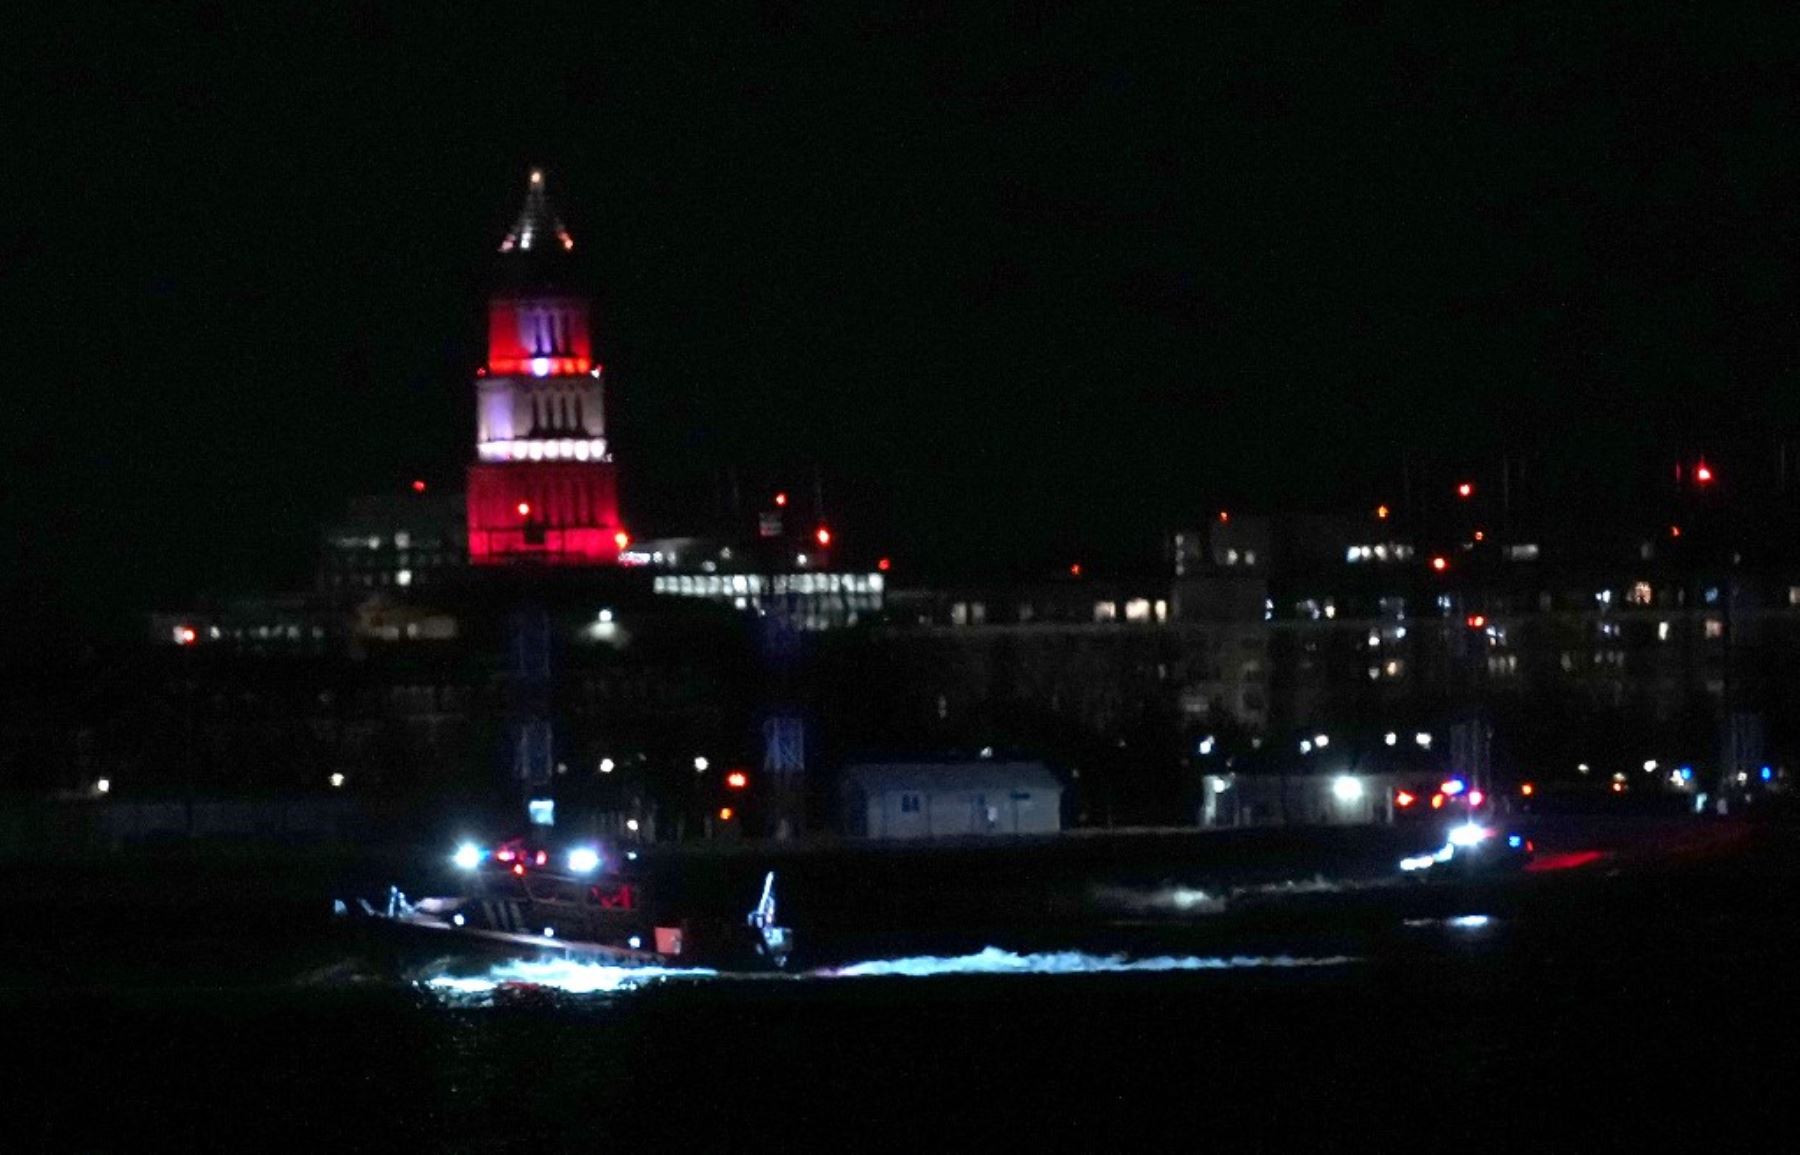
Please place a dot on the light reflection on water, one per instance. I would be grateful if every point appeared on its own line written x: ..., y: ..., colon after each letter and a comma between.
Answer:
x: 577, y: 977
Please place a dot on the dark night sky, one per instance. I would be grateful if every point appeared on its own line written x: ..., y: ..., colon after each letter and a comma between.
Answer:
x: 1024, y: 286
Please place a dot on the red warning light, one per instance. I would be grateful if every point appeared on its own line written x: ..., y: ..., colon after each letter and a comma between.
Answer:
x: 1527, y: 789
x: 884, y: 565
x: 418, y: 485
x: 1224, y: 517
x: 1440, y: 563
x: 737, y: 779
x: 186, y: 635
x: 1075, y: 570
x: 519, y: 868
x: 1405, y: 798
x: 1466, y: 490
x: 1475, y: 797
x: 1674, y: 531
x: 781, y: 499
x: 1476, y: 621
x: 822, y: 535
x: 1703, y: 473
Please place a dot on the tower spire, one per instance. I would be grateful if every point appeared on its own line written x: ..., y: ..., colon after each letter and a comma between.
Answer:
x: 538, y: 226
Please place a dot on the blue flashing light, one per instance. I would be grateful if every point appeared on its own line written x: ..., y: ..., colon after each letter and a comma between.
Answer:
x: 1514, y: 841
x: 1767, y: 773
x: 1453, y: 787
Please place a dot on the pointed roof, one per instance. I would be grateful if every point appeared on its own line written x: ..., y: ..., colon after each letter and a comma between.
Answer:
x: 538, y: 228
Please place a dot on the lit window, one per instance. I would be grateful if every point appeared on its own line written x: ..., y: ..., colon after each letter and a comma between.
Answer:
x: 1640, y: 594
x: 1106, y: 611
x: 1137, y: 610
x: 404, y: 577
x: 1715, y: 628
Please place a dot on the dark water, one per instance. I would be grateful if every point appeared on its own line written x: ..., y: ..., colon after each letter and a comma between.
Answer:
x: 1594, y: 1009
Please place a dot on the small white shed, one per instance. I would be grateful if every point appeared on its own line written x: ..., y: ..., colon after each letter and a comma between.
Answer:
x: 948, y: 799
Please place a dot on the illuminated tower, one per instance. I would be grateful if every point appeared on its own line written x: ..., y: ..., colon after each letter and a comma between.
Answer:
x: 543, y: 487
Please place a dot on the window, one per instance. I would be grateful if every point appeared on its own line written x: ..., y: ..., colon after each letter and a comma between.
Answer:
x: 910, y: 804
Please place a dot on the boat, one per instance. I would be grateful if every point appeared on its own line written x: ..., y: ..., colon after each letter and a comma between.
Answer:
x: 583, y: 902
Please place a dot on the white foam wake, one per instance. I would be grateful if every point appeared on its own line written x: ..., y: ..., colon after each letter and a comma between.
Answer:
x: 584, y: 978
x: 994, y: 961
x: 563, y: 974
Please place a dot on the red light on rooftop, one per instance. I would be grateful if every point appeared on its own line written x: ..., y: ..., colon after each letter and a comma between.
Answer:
x: 418, y: 485
x: 1381, y: 513
x: 822, y: 535
x: 781, y: 499
x: 524, y: 509
x: 884, y: 565
x: 1466, y: 490
x: 1440, y: 563
x: 1674, y: 531
x: 725, y: 813
x: 1527, y: 789
x: 1480, y: 535
x: 1224, y: 516
x: 1476, y: 621
x: 737, y: 779
x: 1703, y: 473
x: 1075, y: 570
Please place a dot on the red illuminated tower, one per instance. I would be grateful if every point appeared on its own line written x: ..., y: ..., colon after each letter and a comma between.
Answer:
x: 543, y: 487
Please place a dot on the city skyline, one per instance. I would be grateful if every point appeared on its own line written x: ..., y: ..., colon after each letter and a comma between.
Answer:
x: 1015, y: 292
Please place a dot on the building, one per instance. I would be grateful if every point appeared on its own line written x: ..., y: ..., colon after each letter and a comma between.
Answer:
x: 939, y: 800
x: 395, y: 542
x: 543, y: 487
